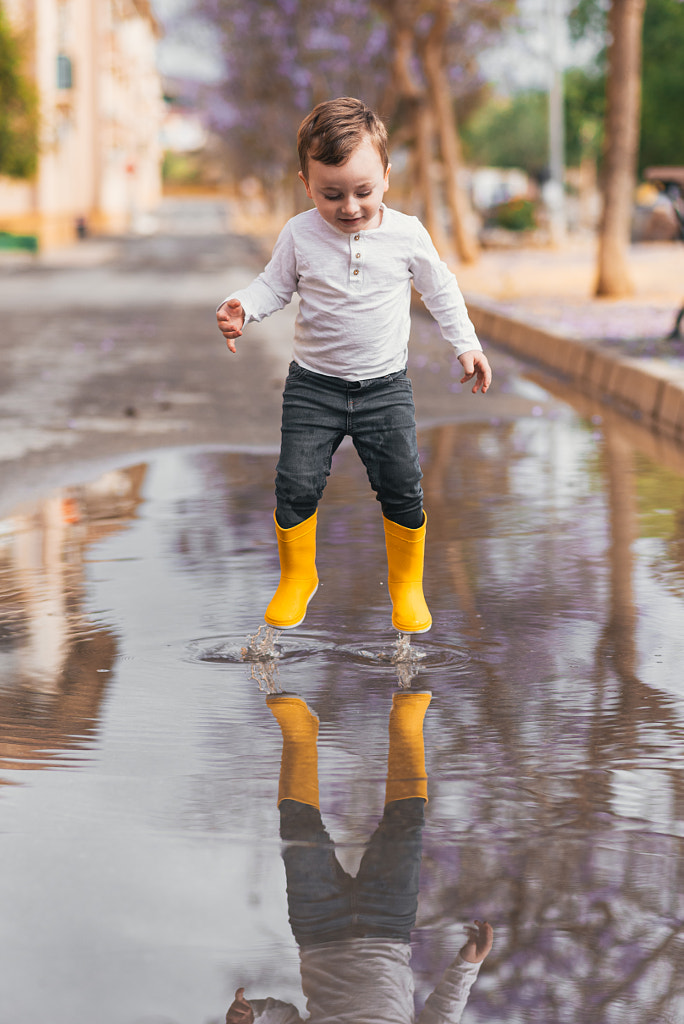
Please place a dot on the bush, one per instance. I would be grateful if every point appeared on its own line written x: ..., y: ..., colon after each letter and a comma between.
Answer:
x: 513, y: 215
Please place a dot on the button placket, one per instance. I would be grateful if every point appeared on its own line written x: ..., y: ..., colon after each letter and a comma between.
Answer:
x: 356, y: 262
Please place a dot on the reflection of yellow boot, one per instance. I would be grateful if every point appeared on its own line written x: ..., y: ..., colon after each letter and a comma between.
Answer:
x: 298, y: 577
x: 405, y: 556
x: 406, y: 775
x: 299, y: 761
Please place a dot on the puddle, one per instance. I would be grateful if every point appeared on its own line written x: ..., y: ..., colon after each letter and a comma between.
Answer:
x: 141, y: 871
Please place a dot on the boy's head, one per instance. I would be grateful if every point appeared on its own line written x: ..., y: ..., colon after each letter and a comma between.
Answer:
x: 335, y: 128
x: 345, y: 168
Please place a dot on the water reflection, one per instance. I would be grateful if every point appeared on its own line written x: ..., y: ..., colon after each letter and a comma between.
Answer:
x: 55, y: 662
x: 354, y: 931
x: 555, y: 736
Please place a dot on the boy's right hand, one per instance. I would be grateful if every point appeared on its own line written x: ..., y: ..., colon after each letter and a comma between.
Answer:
x: 239, y: 1011
x: 479, y: 944
x: 231, y: 317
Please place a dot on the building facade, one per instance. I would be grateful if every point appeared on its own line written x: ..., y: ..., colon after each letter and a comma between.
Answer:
x: 94, y: 62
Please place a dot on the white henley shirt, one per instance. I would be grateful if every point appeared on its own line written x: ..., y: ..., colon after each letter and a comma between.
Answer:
x: 368, y: 981
x: 353, y: 320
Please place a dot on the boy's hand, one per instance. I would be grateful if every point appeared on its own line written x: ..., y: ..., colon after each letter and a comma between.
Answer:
x: 231, y: 317
x: 479, y: 944
x: 239, y: 1011
x: 476, y: 363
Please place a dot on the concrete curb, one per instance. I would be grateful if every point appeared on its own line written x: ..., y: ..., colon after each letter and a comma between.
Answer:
x: 649, y: 389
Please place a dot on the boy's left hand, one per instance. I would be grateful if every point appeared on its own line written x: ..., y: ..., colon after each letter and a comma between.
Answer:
x: 479, y: 944
x: 475, y: 363
x: 240, y: 1011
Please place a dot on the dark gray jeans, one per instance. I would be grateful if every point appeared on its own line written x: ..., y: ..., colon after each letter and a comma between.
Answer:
x: 325, y: 903
x: 378, y: 415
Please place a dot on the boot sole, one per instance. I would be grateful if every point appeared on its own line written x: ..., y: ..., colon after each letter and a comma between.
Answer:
x: 402, y: 629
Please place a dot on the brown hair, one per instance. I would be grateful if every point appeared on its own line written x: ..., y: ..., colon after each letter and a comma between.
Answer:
x: 333, y: 130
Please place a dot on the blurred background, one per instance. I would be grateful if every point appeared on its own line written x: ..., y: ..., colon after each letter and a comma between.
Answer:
x: 512, y: 123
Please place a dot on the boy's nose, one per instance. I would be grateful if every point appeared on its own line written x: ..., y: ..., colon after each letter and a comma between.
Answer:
x: 350, y: 204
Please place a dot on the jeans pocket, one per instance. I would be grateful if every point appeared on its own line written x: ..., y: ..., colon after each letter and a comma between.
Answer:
x: 295, y: 371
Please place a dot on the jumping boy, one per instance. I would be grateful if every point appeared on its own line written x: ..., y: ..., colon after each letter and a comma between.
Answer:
x: 352, y: 261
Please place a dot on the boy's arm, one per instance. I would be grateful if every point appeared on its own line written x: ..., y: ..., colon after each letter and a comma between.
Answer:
x: 439, y: 291
x: 447, y: 1002
x: 268, y: 292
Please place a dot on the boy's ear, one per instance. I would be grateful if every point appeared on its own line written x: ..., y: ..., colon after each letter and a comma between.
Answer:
x: 306, y: 184
x: 385, y: 184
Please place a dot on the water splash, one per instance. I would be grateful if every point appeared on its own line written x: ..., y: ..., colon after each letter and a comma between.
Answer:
x: 406, y: 660
x: 262, y: 654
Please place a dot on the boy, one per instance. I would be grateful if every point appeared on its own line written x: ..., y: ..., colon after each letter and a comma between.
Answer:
x: 354, y: 933
x: 352, y: 261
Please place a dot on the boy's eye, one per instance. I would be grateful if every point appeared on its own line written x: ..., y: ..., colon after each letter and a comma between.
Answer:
x: 362, y: 195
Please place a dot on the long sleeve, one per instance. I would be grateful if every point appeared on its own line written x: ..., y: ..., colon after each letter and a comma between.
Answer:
x: 439, y: 291
x: 447, y: 1002
x: 275, y: 286
x: 274, y: 1011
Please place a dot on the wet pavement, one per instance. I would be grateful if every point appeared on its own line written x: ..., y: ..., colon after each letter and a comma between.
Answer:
x: 141, y: 875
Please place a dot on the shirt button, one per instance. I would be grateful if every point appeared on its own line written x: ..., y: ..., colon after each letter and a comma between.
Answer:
x: 356, y: 237
x: 356, y: 271
x: 358, y: 255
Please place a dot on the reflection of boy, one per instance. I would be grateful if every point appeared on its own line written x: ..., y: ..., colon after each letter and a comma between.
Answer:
x: 354, y: 933
x: 352, y: 261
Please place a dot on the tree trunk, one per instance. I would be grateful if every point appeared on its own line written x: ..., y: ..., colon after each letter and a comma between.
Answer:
x: 424, y: 136
x: 413, y: 94
x: 623, y: 95
x: 432, y: 56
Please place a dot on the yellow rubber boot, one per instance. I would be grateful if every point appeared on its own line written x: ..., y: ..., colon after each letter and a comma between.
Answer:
x: 299, y: 760
x: 298, y: 576
x: 406, y: 775
x: 405, y: 556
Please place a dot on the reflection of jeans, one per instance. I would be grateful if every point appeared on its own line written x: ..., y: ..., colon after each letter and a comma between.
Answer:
x: 325, y: 903
x: 379, y: 416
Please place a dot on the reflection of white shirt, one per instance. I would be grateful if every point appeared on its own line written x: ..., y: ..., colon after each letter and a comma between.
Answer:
x: 355, y: 293
x: 368, y: 981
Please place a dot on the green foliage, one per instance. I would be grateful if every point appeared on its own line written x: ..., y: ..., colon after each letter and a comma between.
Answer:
x: 18, y: 110
x: 662, y: 82
x: 660, y: 495
x: 513, y: 132
x: 509, y: 132
x: 585, y: 104
x: 514, y: 215
x: 662, y: 103
x: 181, y: 168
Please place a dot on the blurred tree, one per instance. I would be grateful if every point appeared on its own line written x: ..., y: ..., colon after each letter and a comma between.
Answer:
x: 429, y: 39
x: 409, y: 59
x: 662, y: 75
x: 18, y: 109
x: 621, y: 144
x: 281, y: 58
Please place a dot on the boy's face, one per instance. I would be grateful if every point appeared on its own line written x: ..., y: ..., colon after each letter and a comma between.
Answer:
x: 349, y: 195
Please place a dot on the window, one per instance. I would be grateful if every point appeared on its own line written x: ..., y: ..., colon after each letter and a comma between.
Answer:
x: 64, y: 76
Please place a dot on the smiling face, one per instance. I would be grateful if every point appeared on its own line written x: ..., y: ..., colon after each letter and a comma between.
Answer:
x: 348, y: 196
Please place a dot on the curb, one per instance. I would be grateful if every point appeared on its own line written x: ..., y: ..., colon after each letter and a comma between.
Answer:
x: 648, y: 389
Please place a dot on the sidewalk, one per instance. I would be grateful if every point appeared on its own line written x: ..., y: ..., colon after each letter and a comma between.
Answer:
x: 540, y: 304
